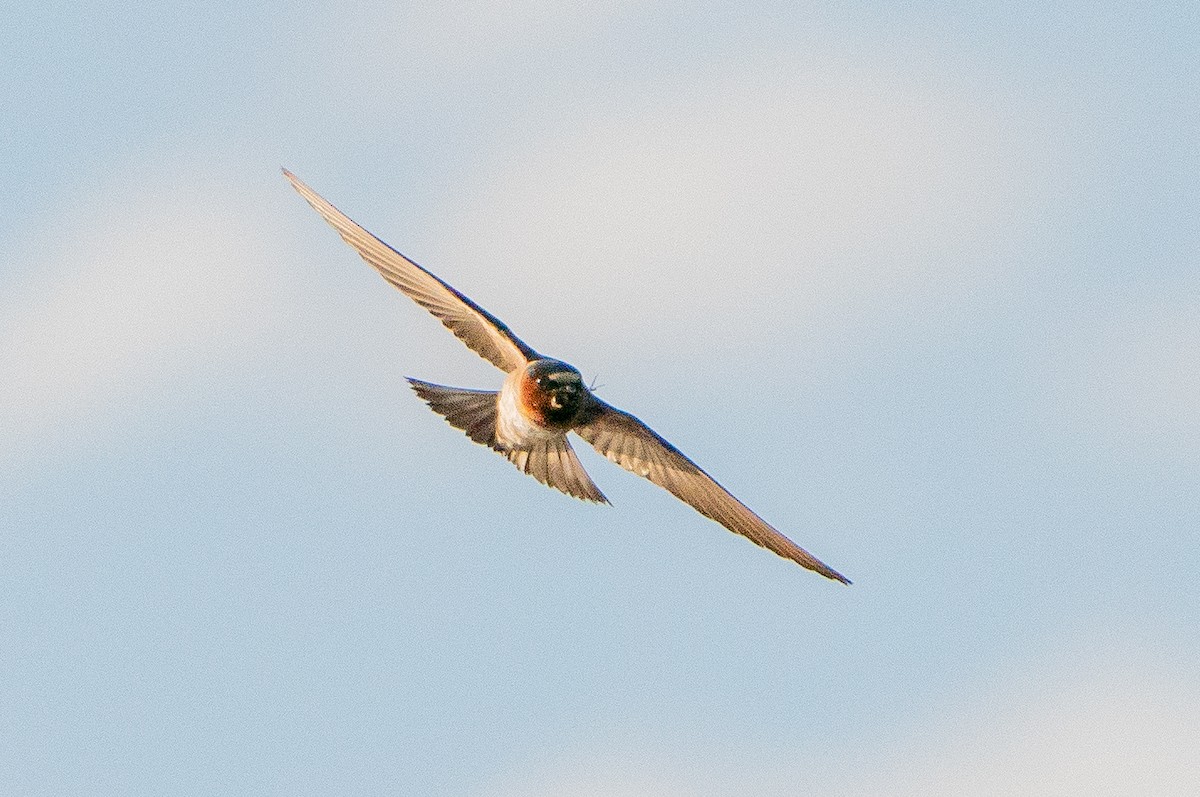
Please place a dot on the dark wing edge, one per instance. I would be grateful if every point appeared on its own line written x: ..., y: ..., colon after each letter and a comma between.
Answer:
x: 481, y: 331
x: 637, y: 448
x: 552, y: 461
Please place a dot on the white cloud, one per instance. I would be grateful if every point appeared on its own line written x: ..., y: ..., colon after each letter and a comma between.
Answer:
x: 152, y: 281
x: 1123, y: 726
x: 1116, y: 723
x: 802, y: 192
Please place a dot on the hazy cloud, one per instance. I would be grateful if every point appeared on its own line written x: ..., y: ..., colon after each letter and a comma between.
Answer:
x: 823, y: 192
x: 1117, y: 724
x: 149, y: 282
x: 1127, y: 726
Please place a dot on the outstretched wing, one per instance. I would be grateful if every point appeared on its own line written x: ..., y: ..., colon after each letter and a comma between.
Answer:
x: 483, y: 333
x: 636, y: 447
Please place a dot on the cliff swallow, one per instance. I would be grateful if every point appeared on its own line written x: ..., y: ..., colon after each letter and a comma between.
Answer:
x: 543, y: 399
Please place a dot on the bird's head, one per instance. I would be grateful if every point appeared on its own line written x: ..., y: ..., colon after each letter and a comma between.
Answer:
x: 554, y: 390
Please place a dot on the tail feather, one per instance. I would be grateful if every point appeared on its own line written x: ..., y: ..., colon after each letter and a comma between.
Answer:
x: 551, y: 461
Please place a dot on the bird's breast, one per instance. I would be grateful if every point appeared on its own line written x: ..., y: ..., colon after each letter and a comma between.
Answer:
x: 521, y: 416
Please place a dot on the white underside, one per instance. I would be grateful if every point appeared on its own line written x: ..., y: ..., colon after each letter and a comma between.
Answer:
x: 513, y: 429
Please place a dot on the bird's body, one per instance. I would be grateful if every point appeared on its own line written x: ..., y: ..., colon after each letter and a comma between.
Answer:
x: 543, y: 399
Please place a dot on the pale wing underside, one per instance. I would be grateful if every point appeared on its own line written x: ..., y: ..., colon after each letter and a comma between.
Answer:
x: 550, y: 461
x: 636, y: 447
x: 483, y: 333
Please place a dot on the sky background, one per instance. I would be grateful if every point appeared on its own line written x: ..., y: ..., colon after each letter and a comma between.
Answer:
x: 920, y: 285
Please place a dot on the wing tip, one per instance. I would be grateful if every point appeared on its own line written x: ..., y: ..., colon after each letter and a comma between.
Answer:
x: 819, y: 567
x: 420, y: 387
x: 598, y: 498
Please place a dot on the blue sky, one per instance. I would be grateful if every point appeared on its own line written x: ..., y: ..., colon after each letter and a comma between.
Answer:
x: 920, y: 285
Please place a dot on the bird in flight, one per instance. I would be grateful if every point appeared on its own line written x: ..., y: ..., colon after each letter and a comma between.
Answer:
x: 543, y: 399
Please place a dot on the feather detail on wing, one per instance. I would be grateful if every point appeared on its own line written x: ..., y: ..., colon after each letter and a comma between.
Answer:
x: 637, y: 448
x: 483, y: 333
x: 551, y: 461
